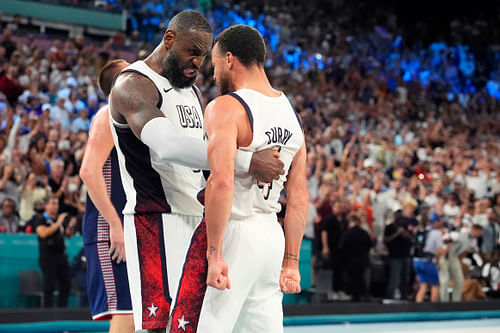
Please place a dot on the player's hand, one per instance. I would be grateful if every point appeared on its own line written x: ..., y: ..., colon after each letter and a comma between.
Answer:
x: 217, y: 276
x: 117, y: 248
x: 290, y: 280
x: 266, y: 165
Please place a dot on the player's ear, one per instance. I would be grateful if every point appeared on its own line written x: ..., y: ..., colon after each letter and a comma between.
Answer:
x: 169, y: 39
x: 230, y: 59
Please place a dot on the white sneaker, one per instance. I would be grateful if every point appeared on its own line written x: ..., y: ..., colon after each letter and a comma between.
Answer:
x: 343, y: 296
x: 332, y: 296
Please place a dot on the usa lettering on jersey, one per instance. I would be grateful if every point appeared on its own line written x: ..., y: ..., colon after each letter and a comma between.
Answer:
x: 278, y: 135
x: 189, y: 117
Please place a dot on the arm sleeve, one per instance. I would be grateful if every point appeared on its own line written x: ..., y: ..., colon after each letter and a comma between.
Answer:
x: 160, y: 136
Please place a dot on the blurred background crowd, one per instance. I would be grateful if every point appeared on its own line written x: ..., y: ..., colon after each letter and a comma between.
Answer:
x: 402, y: 119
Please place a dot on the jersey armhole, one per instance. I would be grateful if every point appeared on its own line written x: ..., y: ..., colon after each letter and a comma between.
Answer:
x: 245, y: 105
x: 197, y: 92
x: 296, y: 115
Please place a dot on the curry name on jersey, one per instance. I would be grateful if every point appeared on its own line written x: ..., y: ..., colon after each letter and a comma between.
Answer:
x: 275, y: 124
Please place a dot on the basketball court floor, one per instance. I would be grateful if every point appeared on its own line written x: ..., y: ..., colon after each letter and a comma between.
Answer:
x: 453, y: 326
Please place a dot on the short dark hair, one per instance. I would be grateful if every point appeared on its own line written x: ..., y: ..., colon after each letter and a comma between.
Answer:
x: 9, y: 200
x: 189, y: 20
x: 108, y: 74
x: 245, y: 43
x: 476, y: 226
x: 354, y: 219
x: 48, y: 198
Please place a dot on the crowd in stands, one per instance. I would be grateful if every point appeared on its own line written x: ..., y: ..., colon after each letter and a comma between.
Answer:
x: 403, y: 139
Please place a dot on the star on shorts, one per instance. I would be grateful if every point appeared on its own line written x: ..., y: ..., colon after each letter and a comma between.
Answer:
x: 152, y: 310
x: 182, y: 323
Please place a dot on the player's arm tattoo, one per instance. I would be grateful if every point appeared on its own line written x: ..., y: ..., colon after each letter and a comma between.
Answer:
x: 135, y: 100
x: 291, y: 256
x: 212, y: 249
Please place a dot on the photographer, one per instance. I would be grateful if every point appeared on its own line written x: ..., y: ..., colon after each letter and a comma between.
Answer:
x: 398, y: 240
x: 450, y: 267
x: 53, y: 259
x: 425, y: 261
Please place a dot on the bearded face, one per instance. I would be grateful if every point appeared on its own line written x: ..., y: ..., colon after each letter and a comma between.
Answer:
x: 176, y: 72
x: 224, y: 83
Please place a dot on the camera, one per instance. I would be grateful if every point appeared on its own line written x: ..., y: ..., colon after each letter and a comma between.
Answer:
x: 39, y: 182
x: 450, y: 237
x: 452, y: 232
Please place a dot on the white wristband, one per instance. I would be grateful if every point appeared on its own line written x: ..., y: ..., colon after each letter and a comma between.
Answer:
x: 243, y: 159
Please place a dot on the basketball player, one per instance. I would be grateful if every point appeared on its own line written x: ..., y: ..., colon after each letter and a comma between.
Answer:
x: 156, y: 121
x: 107, y: 283
x: 249, y: 258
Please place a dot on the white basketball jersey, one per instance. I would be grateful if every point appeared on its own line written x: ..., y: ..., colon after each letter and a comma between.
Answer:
x: 153, y: 185
x: 274, y: 123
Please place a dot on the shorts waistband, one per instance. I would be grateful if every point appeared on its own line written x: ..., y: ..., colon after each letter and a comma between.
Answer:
x: 257, y: 216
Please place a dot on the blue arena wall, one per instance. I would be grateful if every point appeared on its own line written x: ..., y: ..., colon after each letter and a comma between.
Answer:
x: 64, y: 14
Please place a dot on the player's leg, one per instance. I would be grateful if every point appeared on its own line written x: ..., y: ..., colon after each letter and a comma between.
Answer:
x: 263, y: 313
x: 121, y: 323
x: 221, y: 308
x: 122, y: 319
x: 178, y: 233
x: 192, y: 285
x: 108, y: 294
x: 262, y: 310
x: 96, y: 293
x: 144, y: 245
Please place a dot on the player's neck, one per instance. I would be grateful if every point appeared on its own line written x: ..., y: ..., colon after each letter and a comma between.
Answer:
x: 154, y: 60
x: 255, y: 79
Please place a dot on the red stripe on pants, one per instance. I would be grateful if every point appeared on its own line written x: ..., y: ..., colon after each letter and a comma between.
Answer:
x: 155, y: 308
x: 193, y: 284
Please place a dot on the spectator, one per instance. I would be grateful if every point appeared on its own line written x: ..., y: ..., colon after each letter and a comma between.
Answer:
x: 35, y: 153
x: 451, y: 208
x: 354, y: 247
x: 477, y: 182
x: 58, y: 113
x: 71, y: 203
x: 33, y: 190
x: 9, y: 44
x: 82, y: 123
x: 323, y: 206
x: 57, y: 179
x: 398, y: 239
x: 450, y: 262
x: 9, y: 84
x: 332, y: 229
x: 9, y: 221
x: 491, y: 236
x: 380, y: 206
x: 8, y: 184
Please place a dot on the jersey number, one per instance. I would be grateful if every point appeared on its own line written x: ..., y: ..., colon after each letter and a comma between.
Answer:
x: 265, y: 188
